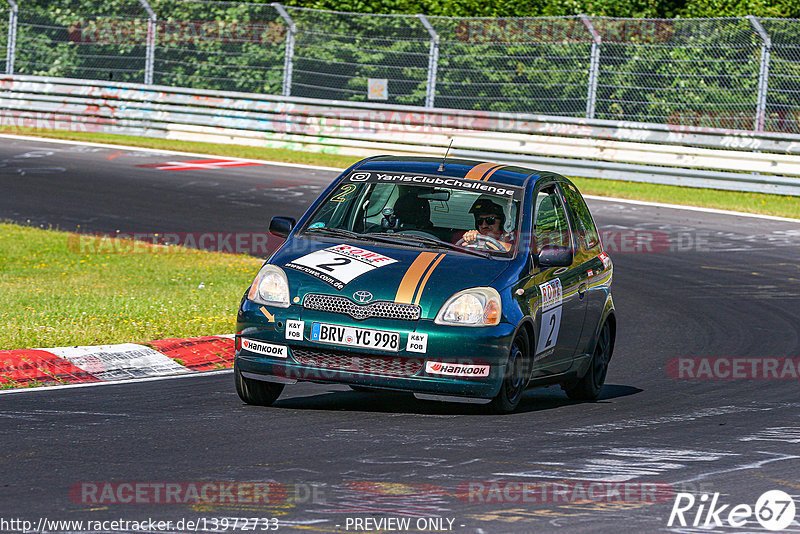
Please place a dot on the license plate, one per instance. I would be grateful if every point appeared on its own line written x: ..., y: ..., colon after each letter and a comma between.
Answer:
x: 355, y: 337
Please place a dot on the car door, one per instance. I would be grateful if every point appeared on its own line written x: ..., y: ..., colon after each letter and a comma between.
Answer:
x: 597, y: 271
x: 559, y: 306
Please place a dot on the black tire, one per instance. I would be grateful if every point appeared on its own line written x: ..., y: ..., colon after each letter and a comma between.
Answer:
x: 589, y: 386
x: 255, y: 392
x: 518, y: 373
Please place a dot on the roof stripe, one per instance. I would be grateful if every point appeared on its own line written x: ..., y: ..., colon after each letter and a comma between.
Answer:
x: 491, y: 172
x: 477, y: 172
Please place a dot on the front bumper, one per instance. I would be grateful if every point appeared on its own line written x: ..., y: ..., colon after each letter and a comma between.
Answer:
x: 307, y: 360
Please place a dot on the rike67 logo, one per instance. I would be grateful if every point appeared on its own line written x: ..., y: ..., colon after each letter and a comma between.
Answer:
x: 774, y: 510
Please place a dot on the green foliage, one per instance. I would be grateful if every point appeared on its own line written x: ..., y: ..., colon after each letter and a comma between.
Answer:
x: 701, y: 72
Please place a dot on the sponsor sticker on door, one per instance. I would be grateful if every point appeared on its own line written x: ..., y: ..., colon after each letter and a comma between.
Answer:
x: 552, y: 298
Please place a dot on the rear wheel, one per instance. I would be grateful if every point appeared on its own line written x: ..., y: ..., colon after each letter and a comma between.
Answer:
x: 589, y: 386
x: 517, y: 374
x: 255, y: 392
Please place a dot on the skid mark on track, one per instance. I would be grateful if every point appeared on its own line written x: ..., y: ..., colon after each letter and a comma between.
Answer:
x: 785, y: 434
x: 767, y: 458
x: 620, y: 464
x: 603, y: 428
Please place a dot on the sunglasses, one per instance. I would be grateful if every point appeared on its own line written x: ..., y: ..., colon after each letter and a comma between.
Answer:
x: 488, y: 220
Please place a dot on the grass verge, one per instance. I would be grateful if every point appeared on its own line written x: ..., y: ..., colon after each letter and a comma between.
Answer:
x: 781, y: 206
x: 51, y: 296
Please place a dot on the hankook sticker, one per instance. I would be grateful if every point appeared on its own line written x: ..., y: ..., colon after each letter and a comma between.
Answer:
x: 268, y: 349
x: 456, y: 369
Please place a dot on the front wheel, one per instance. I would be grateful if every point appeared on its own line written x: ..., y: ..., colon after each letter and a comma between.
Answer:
x: 516, y: 377
x: 255, y: 392
x: 589, y: 386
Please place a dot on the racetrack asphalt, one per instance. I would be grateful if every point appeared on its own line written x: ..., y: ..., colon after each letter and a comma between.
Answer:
x: 715, y: 286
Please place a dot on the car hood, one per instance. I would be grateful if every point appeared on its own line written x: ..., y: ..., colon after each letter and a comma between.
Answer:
x: 423, y: 276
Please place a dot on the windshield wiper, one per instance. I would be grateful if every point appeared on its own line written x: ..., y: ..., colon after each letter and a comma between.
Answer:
x: 355, y: 235
x: 335, y: 231
x: 444, y: 244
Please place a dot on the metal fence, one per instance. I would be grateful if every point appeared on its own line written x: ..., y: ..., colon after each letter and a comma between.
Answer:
x: 732, y: 73
x: 757, y: 162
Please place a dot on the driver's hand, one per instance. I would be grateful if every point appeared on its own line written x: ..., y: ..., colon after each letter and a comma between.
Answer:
x: 471, y: 235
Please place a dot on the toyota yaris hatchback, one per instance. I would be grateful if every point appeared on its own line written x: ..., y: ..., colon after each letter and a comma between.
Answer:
x: 462, y: 280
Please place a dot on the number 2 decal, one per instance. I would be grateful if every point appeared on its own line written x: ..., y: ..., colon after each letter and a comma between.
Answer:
x: 342, y: 195
x: 551, y: 315
x: 550, y: 335
x: 337, y: 262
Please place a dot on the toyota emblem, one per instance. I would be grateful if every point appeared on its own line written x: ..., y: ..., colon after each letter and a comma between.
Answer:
x: 362, y: 296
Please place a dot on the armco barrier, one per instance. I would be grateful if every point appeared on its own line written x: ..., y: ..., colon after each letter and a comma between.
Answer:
x: 696, y: 157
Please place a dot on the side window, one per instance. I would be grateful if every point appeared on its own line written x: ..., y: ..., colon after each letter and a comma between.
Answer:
x: 550, y: 223
x: 584, y: 224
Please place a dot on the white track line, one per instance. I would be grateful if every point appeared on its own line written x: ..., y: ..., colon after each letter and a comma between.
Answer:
x: 335, y: 169
x: 167, y: 152
x: 112, y: 382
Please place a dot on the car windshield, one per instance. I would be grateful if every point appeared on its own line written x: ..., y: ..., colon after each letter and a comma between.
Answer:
x: 424, y: 215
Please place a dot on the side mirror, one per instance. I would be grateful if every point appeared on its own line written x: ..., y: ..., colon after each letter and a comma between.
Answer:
x: 281, y: 226
x: 555, y: 256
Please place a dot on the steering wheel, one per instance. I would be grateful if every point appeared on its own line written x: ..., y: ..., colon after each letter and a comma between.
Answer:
x: 416, y: 232
x: 483, y: 242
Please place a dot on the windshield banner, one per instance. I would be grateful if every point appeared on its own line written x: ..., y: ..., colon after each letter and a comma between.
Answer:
x: 502, y: 190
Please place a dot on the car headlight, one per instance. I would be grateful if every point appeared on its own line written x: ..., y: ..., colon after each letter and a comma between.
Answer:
x: 479, y: 306
x: 270, y: 287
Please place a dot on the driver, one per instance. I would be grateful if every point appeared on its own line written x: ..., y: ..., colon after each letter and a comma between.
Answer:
x: 489, y: 221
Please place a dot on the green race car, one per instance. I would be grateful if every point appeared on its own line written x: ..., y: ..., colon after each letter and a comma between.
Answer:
x: 458, y: 280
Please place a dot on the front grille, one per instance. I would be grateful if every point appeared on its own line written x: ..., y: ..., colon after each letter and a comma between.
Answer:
x: 345, y: 361
x: 382, y: 309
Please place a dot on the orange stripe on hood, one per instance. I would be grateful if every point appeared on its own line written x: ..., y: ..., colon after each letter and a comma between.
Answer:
x: 408, y: 285
x: 425, y: 280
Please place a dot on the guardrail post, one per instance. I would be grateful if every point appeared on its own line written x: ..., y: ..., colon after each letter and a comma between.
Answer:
x: 594, y: 66
x: 11, y: 46
x: 288, y: 60
x: 150, y: 52
x: 763, y: 73
x: 433, y: 62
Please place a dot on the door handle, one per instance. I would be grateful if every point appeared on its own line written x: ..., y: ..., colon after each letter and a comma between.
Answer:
x: 582, y: 289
